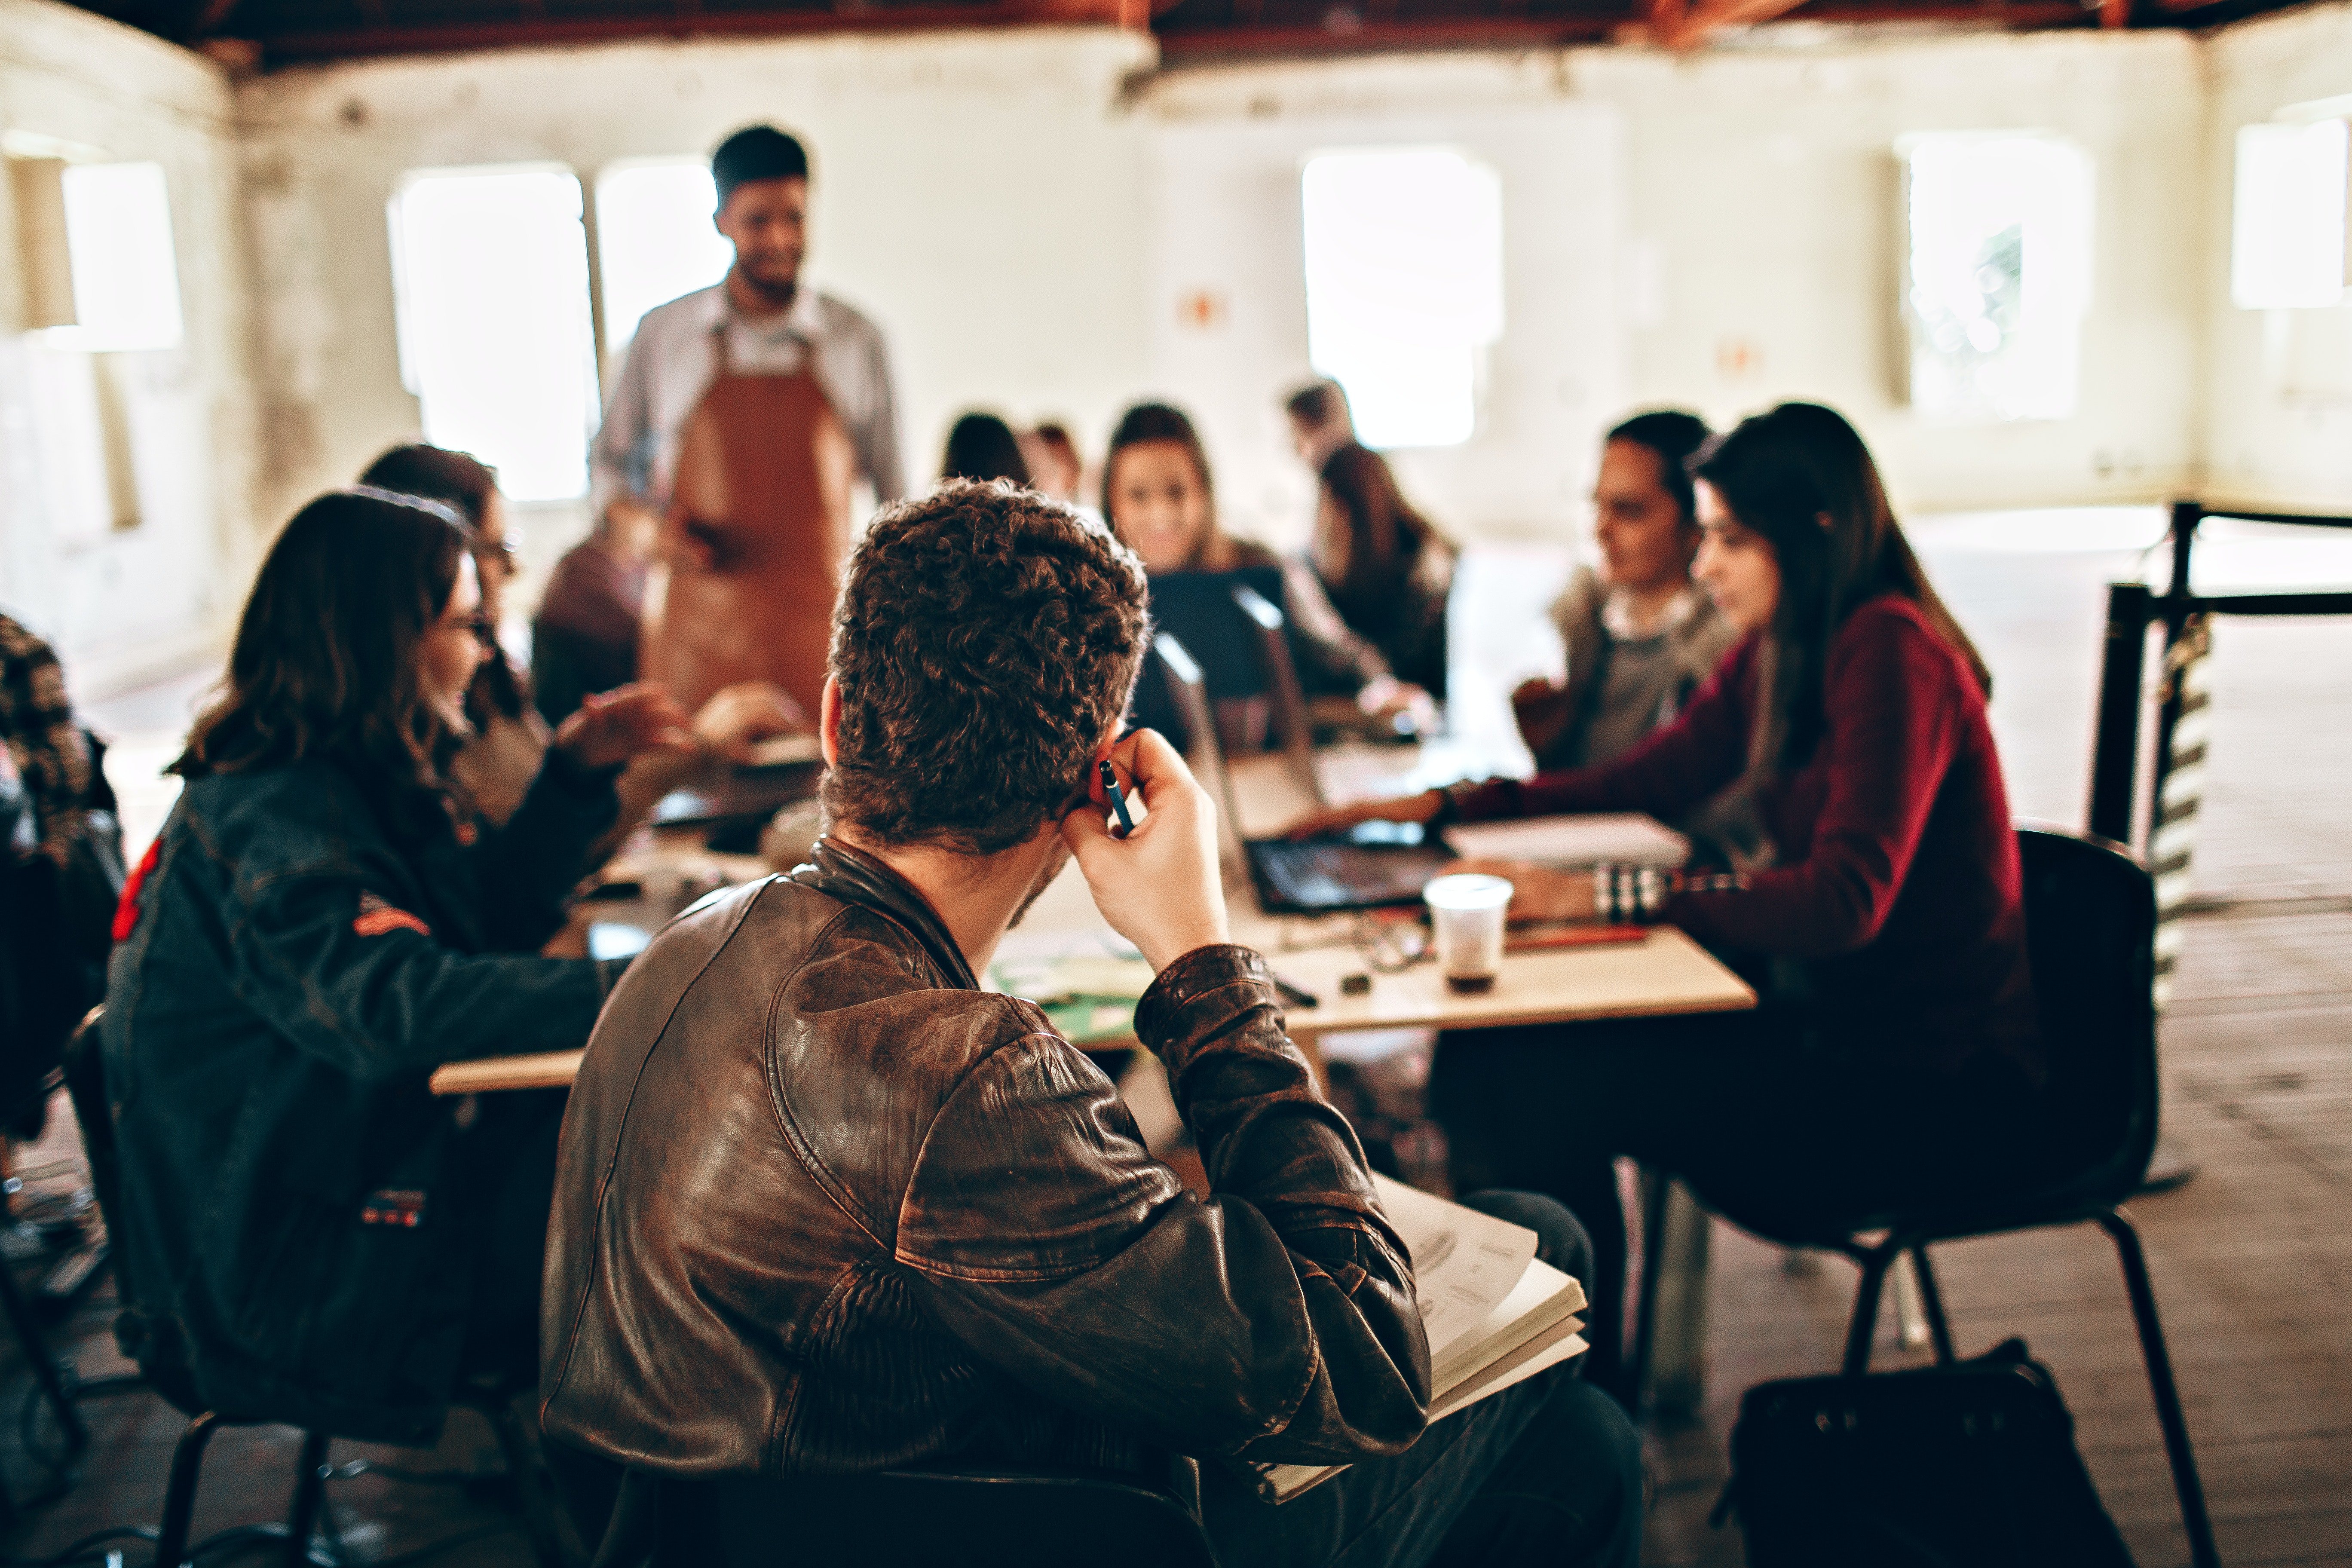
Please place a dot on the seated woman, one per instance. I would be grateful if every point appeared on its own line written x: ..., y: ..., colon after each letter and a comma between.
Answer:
x: 1387, y: 569
x: 982, y: 447
x: 1640, y: 635
x: 497, y: 762
x: 323, y: 921
x: 1895, y: 1050
x: 1159, y: 499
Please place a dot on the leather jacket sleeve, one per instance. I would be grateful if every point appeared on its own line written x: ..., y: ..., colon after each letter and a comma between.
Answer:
x: 1276, y: 1319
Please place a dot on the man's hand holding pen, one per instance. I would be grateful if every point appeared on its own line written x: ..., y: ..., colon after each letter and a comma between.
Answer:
x: 1157, y: 885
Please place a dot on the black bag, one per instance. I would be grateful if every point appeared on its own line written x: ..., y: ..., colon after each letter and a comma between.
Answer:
x: 1944, y: 1466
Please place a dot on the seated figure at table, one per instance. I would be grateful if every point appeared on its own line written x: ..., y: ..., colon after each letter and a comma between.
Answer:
x: 1387, y: 570
x: 1896, y: 1052
x: 824, y: 1206
x: 1158, y: 499
x: 507, y: 737
x: 323, y: 921
x: 1639, y: 633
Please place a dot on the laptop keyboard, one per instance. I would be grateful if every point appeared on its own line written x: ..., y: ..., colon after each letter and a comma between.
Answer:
x: 1344, y: 876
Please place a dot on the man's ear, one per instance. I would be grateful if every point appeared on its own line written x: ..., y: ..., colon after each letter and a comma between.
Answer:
x: 828, y: 722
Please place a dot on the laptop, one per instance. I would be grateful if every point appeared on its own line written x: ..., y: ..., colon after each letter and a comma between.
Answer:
x: 1376, y: 866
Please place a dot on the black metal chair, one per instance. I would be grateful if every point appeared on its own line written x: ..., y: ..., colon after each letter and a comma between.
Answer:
x: 975, y: 1517
x: 85, y: 1073
x: 2090, y: 909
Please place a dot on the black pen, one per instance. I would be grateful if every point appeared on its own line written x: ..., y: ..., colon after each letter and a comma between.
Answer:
x: 1117, y: 801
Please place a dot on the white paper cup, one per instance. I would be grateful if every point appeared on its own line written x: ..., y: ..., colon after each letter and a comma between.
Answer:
x: 1466, y: 916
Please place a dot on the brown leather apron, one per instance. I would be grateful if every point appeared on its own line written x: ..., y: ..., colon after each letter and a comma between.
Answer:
x: 764, y: 468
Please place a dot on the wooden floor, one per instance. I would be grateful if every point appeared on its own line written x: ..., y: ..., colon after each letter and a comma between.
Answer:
x: 2252, y: 1259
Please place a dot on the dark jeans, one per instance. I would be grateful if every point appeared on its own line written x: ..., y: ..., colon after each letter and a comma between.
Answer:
x: 1771, y: 1128
x: 504, y: 1166
x: 1544, y: 1475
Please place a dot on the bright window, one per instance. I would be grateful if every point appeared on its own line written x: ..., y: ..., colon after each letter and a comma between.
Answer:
x: 126, y: 276
x: 1404, y: 286
x: 490, y: 283
x: 2287, y: 237
x: 654, y: 240
x: 1998, y: 275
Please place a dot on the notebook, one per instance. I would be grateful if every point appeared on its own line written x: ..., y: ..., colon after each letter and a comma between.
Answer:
x: 1494, y: 1314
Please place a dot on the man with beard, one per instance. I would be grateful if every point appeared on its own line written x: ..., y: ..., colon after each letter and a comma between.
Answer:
x: 825, y: 1206
x: 744, y: 415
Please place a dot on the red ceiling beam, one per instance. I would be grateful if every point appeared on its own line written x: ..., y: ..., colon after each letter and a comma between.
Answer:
x: 1192, y: 46
x: 353, y: 43
x: 1212, y: 43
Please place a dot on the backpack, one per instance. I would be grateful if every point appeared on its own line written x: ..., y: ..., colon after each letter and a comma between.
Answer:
x: 1942, y: 1466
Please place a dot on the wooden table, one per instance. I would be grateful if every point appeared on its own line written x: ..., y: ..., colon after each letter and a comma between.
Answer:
x: 1666, y: 974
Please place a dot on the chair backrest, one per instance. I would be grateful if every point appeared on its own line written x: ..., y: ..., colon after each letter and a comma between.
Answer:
x: 970, y: 1518
x: 1173, y: 666
x: 1291, y: 723
x: 151, y: 1342
x: 2090, y: 929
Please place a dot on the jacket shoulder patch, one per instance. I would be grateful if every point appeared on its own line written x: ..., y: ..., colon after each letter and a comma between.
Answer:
x: 378, y: 917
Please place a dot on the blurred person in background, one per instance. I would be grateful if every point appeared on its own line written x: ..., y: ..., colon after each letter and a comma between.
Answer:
x: 1639, y: 633
x: 743, y: 418
x: 1056, y: 469
x: 506, y: 741
x: 982, y: 447
x: 1386, y: 568
x: 1158, y: 499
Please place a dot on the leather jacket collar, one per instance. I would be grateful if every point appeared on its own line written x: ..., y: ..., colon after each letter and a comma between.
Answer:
x: 853, y: 876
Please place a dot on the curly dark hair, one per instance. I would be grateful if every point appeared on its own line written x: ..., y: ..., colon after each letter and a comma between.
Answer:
x: 985, y: 641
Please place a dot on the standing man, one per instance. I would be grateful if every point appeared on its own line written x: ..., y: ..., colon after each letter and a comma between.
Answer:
x: 745, y: 413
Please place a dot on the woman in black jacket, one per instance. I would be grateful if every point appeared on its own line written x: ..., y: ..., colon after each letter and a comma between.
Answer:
x: 323, y: 921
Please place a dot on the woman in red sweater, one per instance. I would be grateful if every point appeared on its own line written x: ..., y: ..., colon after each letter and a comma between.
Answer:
x: 1876, y: 902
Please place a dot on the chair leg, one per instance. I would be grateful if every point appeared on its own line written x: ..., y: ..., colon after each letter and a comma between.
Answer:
x: 1657, y: 1188
x: 1931, y: 1302
x: 36, y: 1347
x: 309, y: 1497
x: 179, y: 1494
x: 1875, y: 1262
x: 2193, y: 1518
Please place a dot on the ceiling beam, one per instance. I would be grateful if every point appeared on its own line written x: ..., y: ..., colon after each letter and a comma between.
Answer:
x: 1200, y: 45
x: 1686, y: 29
x: 688, y: 21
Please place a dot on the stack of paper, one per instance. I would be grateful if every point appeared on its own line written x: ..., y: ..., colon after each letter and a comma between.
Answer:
x: 1493, y: 1311
x: 1592, y: 838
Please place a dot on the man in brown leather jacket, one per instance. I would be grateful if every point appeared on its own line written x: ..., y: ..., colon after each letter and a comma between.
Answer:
x: 824, y: 1206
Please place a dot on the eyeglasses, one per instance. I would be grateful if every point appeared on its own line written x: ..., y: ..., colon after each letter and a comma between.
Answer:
x: 507, y: 552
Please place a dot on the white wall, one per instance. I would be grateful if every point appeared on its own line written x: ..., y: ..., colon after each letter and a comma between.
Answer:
x: 976, y: 193
x: 1225, y: 181
x: 122, y: 604
x: 2279, y: 383
x: 1659, y: 212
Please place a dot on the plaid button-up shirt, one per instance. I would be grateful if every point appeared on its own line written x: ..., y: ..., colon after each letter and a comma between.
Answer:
x: 44, y: 744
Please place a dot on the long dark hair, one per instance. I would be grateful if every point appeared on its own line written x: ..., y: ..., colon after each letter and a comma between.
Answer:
x: 326, y: 663
x: 1385, y: 534
x: 465, y: 485
x: 1149, y: 422
x: 1800, y: 476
